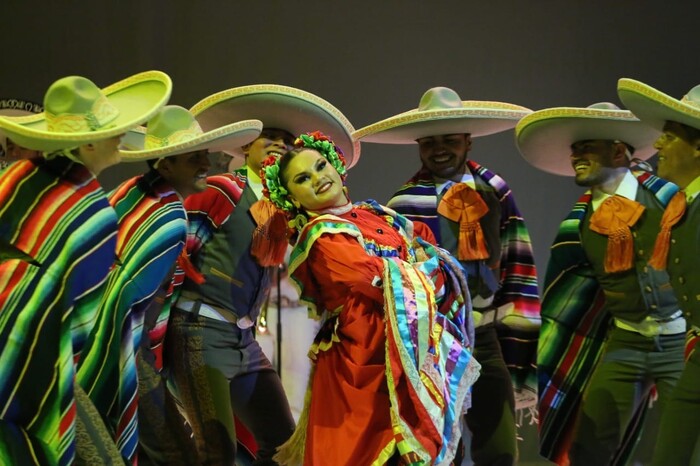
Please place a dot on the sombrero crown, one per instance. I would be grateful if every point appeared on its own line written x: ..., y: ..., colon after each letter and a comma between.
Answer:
x: 442, y: 111
x: 656, y: 108
x: 77, y: 112
x: 282, y: 107
x: 544, y: 137
x: 174, y: 130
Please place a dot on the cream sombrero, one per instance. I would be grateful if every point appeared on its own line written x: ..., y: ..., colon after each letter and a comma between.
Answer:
x: 16, y: 108
x: 442, y: 111
x: 281, y: 107
x: 174, y: 130
x: 77, y: 112
x: 656, y: 108
x: 544, y: 137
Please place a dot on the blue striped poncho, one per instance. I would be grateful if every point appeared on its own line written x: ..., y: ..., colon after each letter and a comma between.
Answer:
x: 417, y: 200
x: 152, y: 231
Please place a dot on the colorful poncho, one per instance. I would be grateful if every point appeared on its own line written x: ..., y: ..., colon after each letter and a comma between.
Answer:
x: 573, y: 326
x: 417, y: 200
x: 152, y: 229
x: 392, y: 365
x: 57, y: 242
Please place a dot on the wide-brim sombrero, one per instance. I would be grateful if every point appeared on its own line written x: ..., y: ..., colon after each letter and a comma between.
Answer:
x: 281, y: 107
x: 16, y: 108
x: 544, y: 137
x: 217, y: 140
x: 441, y: 111
x: 655, y: 108
x: 137, y: 98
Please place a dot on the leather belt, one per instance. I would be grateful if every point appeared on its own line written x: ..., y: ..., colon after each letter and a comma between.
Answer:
x: 650, y: 327
x: 196, y: 306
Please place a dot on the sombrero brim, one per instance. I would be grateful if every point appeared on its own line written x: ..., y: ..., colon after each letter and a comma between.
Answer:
x: 18, y: 110
x: 478, y: 118
x: 544, y: 138
x: 281, y: 107
x: 654, y: 107
x: 138, y: 98
x: 218, y: 140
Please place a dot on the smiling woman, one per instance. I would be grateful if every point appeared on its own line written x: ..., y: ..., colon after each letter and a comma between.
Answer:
x: 312, y: 181
x: 396, y: 324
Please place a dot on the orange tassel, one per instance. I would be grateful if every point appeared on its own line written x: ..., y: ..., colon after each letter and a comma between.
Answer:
x: 614, y: 218
x: 620, y: 251
x: 672, y: 215
x: 464, y: 205
x: 191, y: 272
x: 270, y: 236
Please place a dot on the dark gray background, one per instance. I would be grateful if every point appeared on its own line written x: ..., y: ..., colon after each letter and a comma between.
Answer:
x: 371, y: 59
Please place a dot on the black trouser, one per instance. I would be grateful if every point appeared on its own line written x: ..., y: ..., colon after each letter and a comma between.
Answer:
x: 220, y: 371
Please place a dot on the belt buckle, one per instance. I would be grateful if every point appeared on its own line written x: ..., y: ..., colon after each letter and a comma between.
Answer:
x: 650, y: 327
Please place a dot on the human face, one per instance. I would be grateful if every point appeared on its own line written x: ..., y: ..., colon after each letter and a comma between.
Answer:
x: 101, y: 154
x: 186, y: 173
x: 271, y: 141
x: 593, y: 162
x: 679, y: 154
x: 16, y: 152
x: 445, y: 156
x: 313, y: 183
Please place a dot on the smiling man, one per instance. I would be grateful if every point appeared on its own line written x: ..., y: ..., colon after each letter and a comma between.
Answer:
x: 152, y: 232
x: 611, y: 325
x: 677, y: 250
x: 472, y: 213
x: 218, y: 367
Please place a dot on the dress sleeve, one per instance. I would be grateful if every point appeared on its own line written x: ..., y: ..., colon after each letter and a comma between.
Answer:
x: 423, y: 230
x: 338, y: 262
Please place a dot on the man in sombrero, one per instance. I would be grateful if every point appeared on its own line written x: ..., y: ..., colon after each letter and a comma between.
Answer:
x: 472, y: 213
x: 611, y: 325
x: 218, y: 368
x: 58, y: 235
x: 9, y: 151
x: 152, y: 233
x: 677, y: 250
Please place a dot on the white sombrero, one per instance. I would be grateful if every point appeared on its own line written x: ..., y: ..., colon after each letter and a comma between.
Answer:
x: 544, y: 137
x: 281, y: 107
x: 442, y: 111
x: 174, y: 130
x: 77, y: 112
x: 16, y: 108
x: 656, y: 108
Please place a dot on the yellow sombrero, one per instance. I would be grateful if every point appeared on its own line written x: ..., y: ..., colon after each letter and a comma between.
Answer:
x: 281, y: 107
x: 77, y: 112
x: 174, y: 130
x: 655, y: 108
x: 544, y: 137
x: 442, y: 111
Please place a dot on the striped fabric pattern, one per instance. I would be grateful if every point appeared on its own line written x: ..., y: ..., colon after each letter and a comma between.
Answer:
x: 441, y: 385
x: 417, y: 200
x: 56, y: 213
x: 152, y: 230
x: 573, y: 328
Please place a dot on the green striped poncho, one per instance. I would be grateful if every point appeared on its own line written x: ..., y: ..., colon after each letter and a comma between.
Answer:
x: 57, y: 238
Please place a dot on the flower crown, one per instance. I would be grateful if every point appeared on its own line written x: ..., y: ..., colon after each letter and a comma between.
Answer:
x: 270, y: 173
